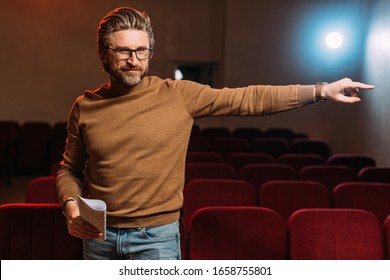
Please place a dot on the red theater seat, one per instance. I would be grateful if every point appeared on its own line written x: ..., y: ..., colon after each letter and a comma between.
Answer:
x: 335, y: 234
x: 258, y: 174
x: 286, y: 197
x: 201, y: 193
x: 370, y: 196
x: 42, y: 190
x: 236, y: 233
x: 36, y: 232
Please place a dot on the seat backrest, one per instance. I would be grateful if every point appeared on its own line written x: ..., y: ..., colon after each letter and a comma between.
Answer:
x: 36, y: 231
x: 386, y: 228
x: 286, y: 197
x: 374, y: 174
x: 329, y: 175
x: 335, y: 234
x: 42, y: 190
x: 33, y: 156
x: 204, y: 157
x: 258, y: 174
x: 238, y: 160
x: 310, y: 146
x: 299, y: 161
x: 274, y: 146
x: 9, y: 132
x: 229, y: 145
x: 198, y: 144
x: 201, y: 193
x: 9, y: 141
x: 208, y: 170
x: 58, y: 142
x: 285, y: 133
x: 354, y: 160
x: 370, y: 196
x: 236, y: 233
x: 249, y: 133
x: 215, y: 132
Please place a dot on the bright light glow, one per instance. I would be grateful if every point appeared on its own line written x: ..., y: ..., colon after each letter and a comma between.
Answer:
x: 178, y: 75
x: 334, y: 40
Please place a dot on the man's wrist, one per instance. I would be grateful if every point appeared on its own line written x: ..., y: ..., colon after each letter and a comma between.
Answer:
x: 71, y: 199
x: 318, y: 93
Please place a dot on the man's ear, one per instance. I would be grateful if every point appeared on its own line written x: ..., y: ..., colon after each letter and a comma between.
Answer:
x: 103, y: 56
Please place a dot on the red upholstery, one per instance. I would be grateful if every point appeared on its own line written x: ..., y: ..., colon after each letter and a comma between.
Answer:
x: 36, y: 231
x: 355, y: 161
x: 42, y: 190
x: 9, y: 137
x: 238, y: 160
x: 215, y: 132
x: 274, y: 146
x: 299, y: 161
x: 371, y: 196
x: 208, y: 170
x: 229, y: 145
x: 329, y: 175
x: 286, y: 197
x: 201, y: 193
x: 374, y: 174
x: 198, y: 144
x: 386, y: 227
x: 285, y: 133
x: 336, y: 234
x: 249, y: 133
x: 33, y: 156
x: 58, y: 142
x: 236, y: 233
x: 310, y: 146
x: 204, y: 157
x: 258, y: 174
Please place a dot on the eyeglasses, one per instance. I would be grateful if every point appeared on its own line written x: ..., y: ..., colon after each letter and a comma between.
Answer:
x: 125, y: 54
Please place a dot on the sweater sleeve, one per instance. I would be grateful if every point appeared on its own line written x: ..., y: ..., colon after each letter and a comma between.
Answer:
x: 70, y: 177
x: 202, y: 101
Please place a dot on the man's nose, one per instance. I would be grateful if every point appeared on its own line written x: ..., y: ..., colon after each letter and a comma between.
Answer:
x: 133, y: 58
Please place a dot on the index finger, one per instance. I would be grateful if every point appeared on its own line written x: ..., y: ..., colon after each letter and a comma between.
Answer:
x: 360, y: 85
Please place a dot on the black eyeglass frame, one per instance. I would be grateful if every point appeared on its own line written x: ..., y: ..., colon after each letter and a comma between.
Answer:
x: 130, y: 52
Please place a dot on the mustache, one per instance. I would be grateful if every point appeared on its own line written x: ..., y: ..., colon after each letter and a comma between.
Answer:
x: 126, y: 68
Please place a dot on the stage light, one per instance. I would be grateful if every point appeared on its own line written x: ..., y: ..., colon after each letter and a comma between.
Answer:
x: 334, y: 40
x: 331, y: 39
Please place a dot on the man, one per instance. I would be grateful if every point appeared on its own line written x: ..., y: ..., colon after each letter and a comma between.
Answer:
x: 129, y: 137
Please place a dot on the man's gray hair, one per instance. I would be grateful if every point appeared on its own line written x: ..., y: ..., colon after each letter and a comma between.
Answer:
x: 123, y: 19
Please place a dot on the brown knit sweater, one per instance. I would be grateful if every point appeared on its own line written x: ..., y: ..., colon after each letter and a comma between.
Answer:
x: 131, y: 147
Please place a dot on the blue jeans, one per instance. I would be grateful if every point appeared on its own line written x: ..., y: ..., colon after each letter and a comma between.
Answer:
x: 148, y: 243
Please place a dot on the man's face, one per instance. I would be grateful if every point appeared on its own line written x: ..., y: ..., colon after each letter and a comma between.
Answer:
x: 126, y: 71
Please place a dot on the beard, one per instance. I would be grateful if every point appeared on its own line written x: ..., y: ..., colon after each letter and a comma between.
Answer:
x: 126, y: 77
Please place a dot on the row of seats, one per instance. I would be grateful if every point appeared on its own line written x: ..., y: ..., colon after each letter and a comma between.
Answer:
x: 213, y: 182
x: 285, y: 197
x: 311, y: 234
x: 259, y: 173
x: 33, y: 147
x: 296, y: 160
x: 248, y: 133
x: 38, y: 231
x: 275, y: 146
x: 30, y: 148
